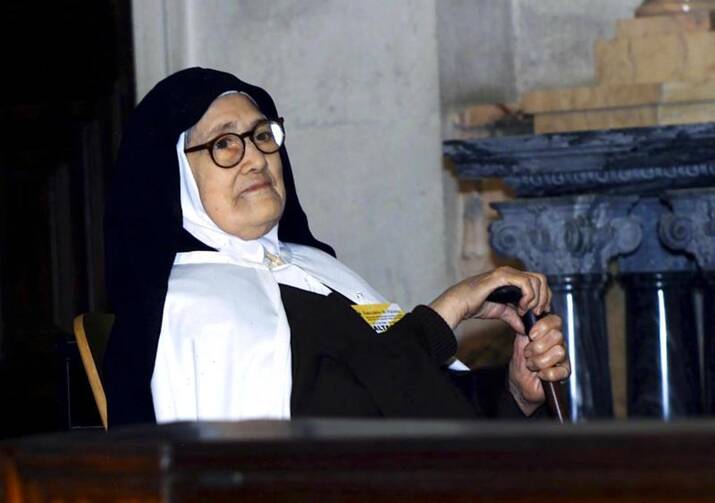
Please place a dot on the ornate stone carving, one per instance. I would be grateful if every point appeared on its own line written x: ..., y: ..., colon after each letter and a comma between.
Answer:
x: 690, y: 227
x: 627, y: 161
x: 652, y: 256
x: 570, y: 235
x: 563, y: 183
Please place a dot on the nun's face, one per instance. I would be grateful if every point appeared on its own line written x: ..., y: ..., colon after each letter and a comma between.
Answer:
x: 246, y: 200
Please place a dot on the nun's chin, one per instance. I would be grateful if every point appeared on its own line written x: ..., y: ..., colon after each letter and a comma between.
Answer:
x: 252, y: 216
x: 251, y: 233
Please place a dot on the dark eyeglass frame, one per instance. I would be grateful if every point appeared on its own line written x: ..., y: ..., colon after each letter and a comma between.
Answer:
x: 209, y: 145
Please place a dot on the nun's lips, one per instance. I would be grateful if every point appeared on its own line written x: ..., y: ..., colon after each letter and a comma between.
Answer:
x: 255, y: 187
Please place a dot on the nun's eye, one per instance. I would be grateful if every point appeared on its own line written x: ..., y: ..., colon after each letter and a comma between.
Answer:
x: 229, y: 141
x: 227, y: 150
x: 263, y: 136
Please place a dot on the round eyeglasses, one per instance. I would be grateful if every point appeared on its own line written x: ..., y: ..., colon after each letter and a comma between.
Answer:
x: 228, y: 149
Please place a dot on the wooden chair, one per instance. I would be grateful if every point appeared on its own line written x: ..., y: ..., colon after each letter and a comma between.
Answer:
x: 91, y: 330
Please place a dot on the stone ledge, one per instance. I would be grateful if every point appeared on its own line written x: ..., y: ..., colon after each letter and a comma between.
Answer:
x: 665, y: 25
x: 630, y: 117
x: 673, y: 7
x: 618, y: 96
x: 639, y: 60
x: 626, y: 161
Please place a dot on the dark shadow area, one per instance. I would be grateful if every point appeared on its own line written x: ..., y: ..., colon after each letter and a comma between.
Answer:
x: 68, y: 87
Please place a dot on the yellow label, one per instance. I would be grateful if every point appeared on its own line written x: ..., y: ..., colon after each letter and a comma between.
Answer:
x: 379, y: 316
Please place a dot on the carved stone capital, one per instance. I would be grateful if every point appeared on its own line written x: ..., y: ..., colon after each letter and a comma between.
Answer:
x: 690, y: 226
x: 566, y: 235
x: 652, y: 256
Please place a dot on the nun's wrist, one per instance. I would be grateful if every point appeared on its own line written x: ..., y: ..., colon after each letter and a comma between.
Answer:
x: 448, y: 307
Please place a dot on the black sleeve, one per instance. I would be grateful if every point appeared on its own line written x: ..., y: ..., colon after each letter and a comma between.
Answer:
x: 488, y: 389
x: 508, y: 408
x: 436, y: 338
x: 403, y: 368
x: 429, y: 330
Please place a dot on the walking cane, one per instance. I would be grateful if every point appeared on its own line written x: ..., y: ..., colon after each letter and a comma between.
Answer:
x: 554, y: 396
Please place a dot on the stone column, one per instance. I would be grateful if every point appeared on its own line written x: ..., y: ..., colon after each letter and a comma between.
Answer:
x: 571, y: 240
x: 691, y: 228
x: 661, y: 323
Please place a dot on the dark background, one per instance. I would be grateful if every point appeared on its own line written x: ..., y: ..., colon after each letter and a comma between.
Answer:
x: 67, y: 89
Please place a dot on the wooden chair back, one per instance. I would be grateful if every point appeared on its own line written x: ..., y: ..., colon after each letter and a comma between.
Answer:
x: 91, y: 330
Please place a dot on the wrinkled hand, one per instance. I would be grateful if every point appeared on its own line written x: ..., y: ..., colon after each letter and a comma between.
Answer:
x: 467, y: 299
x: 544, y: 357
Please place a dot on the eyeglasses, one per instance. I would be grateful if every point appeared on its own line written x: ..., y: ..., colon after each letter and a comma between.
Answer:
x: 228, y: 149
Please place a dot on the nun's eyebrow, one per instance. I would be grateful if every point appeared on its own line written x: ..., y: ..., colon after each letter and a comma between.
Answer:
x: 229, y: 127
x: 221, y: 128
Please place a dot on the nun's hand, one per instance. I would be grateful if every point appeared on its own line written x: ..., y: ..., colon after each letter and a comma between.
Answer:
x: 467, y: 299
x: 542, y: 357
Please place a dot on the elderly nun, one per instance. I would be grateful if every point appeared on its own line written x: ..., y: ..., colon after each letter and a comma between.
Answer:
x: 228, y: 308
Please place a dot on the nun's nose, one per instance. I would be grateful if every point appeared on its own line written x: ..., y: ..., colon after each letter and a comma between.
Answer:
x: 253, y: 159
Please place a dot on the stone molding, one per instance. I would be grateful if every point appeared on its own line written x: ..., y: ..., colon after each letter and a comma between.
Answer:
x: 627, y: 161
x: 565, y: 236
x: 652, y: 255
x: 626, y: 180
x: 690, y: 226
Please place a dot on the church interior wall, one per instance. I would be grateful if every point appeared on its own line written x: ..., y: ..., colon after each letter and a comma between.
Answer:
x: 358, y: 85
x: 369, y: 90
